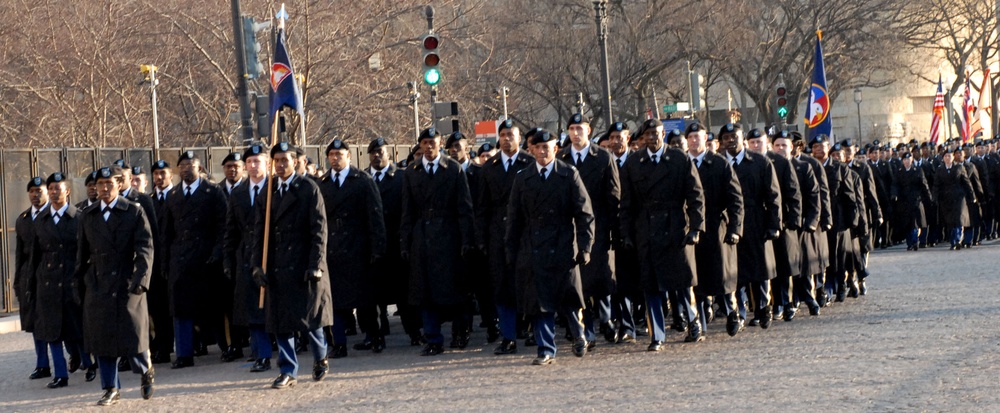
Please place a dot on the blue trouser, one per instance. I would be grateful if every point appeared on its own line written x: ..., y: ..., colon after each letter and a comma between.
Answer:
x: 41, y: 354
x: 804, y: 291
x: 108, y: 365
x: 970, y: 234
x: 260, y: 342
x: 914, y: 237
x: 288, y: 361
x: 924, y: 234
x: 545, y: 330
x: 184, y: 337
x: 75, y: 348
x: 685, y: 308
x: 602, y: 307
x: 432, y: 324
x: 623, y: 308
x: 507, y: 316
x: 956, y: 236
x: 761, y: 292
x: 705, y: 302
x: 340, y: 320
x: 58, y: 360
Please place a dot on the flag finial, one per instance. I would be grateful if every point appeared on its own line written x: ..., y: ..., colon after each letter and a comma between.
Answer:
x: 819, y: 33
x: 281, y: 16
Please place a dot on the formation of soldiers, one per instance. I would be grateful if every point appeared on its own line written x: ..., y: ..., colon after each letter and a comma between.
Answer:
x: 622, y: 236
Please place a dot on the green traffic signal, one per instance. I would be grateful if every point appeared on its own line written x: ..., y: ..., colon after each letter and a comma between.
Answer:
x: 432, y: 76
x: 782, y: 112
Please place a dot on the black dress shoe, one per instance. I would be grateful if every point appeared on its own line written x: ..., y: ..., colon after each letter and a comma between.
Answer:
x: 765, y: 317
x: 147, y: 385
x: 694, y: 337
x: 863, y: 288
x: 530, y: 341
x: 123, y: 364
x: 200, y: 350
x: 58, y: 382
x: 337, y: 351
x: 378, y: 344
x: 91, y: 373
x: 789, y: 314
x: 543, y: 360
x: 814, y: 311
x: 320, y: 368
x: 232, y: 354
x: 821, y: 298
x: 642, y: 331
x: 579, y: 347
x: 283, y: 381
x: 841, y: 296
x: 492, y: 334
x: 610, y: 333
x: 432, y: 350
x: 624, y: 338
x: 460, y: 341
x: 182, y: 362
x: 160, y: 358
x: 679, y: 326
x: 733, y: 324
x: 655, y: 346
x: 506, y: 347
x: 415, y: 340
x: 74, y: 364
x: 364, y: 345
x: 260, y: 365
x: 40, y: 373
x: 109, y: 398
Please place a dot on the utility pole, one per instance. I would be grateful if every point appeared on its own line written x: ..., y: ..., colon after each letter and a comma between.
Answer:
x: 414, y: 101
x: 503, y: 91
x: 242, y: 89
x: 150, y: 72
x: 601, y: 8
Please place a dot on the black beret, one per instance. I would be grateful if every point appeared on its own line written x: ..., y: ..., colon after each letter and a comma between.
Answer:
x: 91, y: 177
x: 674, y: 133
x: 949, y: 150
x: 617, y: 127
x: 299, y: 151
x: 755, y: 133
x: 863, y: 151
x: 602, y: 138
x: 711, y: 137
x: 337, y: 145
x: 876, y: 142
x: 505, y: 124
x: 36, y: 181
x: 907, y: 155
x: 375, y: 144
x: 232, y: 157
x: 913, y: 141
x: 253, y: 150
x: 781, y: 135
x: 187, y: 156
x: 283, y: 147
x: 730, y: 128
x: 309, y: 161
x: 454, y: 137
x: 695, y: 127
x: 120, y: 163
x: 819, y: 139
x: 531, y: 132
x: 652, y: 123
x: 136, y: 170
x: 486, y: 147
x: 542, y: 136
x: 836, y: 147
x: 56, y: 177
x: 429, y: 133
x: 109, y: 172
x: 847, y: 142
x: 577, y: 119
x: 160, y: 164
x: 796, y: 136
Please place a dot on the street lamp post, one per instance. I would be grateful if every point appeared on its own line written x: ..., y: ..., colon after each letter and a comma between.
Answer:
x: 601, y: 8
x: 150, y: 72
x: 857, y: 100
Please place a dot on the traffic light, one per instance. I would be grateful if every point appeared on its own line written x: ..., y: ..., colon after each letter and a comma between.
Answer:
x: 432, y: 60
x: 781, y: 95
x: 251, y: 48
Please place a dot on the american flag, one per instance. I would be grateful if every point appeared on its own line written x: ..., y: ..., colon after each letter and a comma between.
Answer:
x: 938, y: 114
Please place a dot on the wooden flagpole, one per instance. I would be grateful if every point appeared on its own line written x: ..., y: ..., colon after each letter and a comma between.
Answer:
x: 267, y: 205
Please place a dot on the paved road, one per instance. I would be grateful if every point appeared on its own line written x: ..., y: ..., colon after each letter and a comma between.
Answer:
x: 924, y: 339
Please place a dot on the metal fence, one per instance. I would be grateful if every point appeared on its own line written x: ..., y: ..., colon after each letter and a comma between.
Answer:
x: 17, y: 166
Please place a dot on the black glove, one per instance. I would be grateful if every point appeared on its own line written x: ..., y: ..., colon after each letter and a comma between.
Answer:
x: 582, y: 258
x: 827, y: 227
x: 772, y: 234
x: 259, y: 277
x: 313, y: 275
x: 732, y: 238
x: 228, y: 274
x: 627, y: 244
x: 692, y: 237
x: 405, y: 255
x: 811, y: 229
x: 794, y: 226
x: 137, y: 290
x: 375, y: 258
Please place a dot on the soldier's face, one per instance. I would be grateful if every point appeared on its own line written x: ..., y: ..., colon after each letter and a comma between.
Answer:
x: 908, y: 162
x: 37, y: 196
x: 544, y: 152
x: 712, y: 146
x: 619, y: 142
x: 980, y: 150
x: 483, y: 157
x: 379, y: 158
x: 696, y: 142
x: 948, y: 158
x: 189, y: 169
x: 653, y: 138
x: 578, y: 134
x: 837, y: 155
x: 257, y: 167
x: 108, y: 188
x: 510, y: 140
x: 783, y: 147
x: 234, y: 171
x: 139, y: 182
x: 162, y: 178
x: 459, y: 150
x: 339, y: 159
x: 284, y: 164
x: 58, y: 194
x: 848, y: 154
x: 959, y: 156
x: 732, y: 142
x: 431, y: 148
x: 819, y: 150
x: 873, y: 155
x: 757, y: 145
x: 92, y: 191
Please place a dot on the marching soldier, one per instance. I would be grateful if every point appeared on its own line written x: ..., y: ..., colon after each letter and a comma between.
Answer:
x: 196, y: 214
x: 882, y: 175
x: 497, y: 293
x: 971, y: 236
x: 435, y: 233
x: 239, y: 241
x: 810, y: 193
x: 715, y: 253
x: 90, y: 182
x: 860, y: 231
x: 549, y: 233
x: 233, y: 167
x: 24, y: 230
x: 355, y: 240
x: 953, y: 192
x: 457, y: 146
x: 909, y: 190
x: 114, y: 260
x: 873, y: 217
x: 161, y: 324
x: 297, y: 284
x: 844, y: 217
x: 761, y: 226
x: 662, y: 216
x: 600, y: 177
x: 628, y: 294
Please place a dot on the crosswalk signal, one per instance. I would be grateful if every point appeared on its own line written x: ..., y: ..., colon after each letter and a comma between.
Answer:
x: 782, y: 100
x: 432, y: 60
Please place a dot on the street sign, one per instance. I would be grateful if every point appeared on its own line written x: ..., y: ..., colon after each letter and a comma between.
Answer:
x: 671, y: 124
x: 677, y: 107
x: 486, y: 132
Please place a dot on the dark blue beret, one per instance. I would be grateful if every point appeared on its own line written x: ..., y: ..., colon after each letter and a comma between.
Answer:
x: 429, y: 133
x: 91, y: 178
x: 36, y: 181
x: 187, y: 156
x: 283, y: 147
x: 375, y: 144
x: 486, y: 147
x: 730, y: 128
x: 617, y: 127
x: 711, y: 137
x: 674, y: 133
x: 454, y: 137
x: 755, y: 133
x: 136, y: 170
x: 577, y: 119
x: 505, y: 124
x: 253, y: 150
x: 695, y: 127
x: 232, y: 157
x: 542, y: 136
x: 160, y: 164
x: 907, y: 155
x: 56, y: 177
x: 337, y: 145
x: 120, y: 163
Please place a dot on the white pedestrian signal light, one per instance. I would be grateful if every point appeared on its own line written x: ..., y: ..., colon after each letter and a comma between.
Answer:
x: 431, y: 59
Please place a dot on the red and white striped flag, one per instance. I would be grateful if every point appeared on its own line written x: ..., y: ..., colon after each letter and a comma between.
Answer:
x: 938, y: 117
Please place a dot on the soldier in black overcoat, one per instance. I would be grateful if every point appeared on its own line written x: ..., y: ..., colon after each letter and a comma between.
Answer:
x: 239, y: 241
x: 627, y: 299
x: 600, y: 176
x: 436, y: 232
x: 24, y: 232
x: 986, y: 203
x: 787, y: 247
x: 114, y: 260
x: 355, y: 240
x: 715, y: 253
x: 496, y: 177
x: 457, y: 147
x: 161, y: 323
x: 391, y: 272
x: 549, y: 234
x: 193, y: 231
x: 909, y: 190
x: 844, y: 216
x: 662, y: 216
x: 761, y: 224
x: 803, y: 285
x: 873, y: 215
x: 971, y: 233
x: 882, y: 175
x: 953, y: 191
x: 295, y: 277
x: 89, y: 182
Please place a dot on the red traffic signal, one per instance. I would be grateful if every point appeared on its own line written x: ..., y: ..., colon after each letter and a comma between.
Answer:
x: 782, y: 101
x: 431, y: 42
x: 781, y: 91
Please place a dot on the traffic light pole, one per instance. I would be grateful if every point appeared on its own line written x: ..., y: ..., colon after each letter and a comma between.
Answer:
x: 415, y: 101
x: 242, y: 88
x: 601, y: 8
x: 429, y: 13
